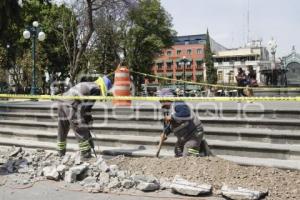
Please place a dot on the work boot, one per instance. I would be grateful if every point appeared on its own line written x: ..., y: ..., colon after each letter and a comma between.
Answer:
x: 86, y: 154
x: 61, y: 153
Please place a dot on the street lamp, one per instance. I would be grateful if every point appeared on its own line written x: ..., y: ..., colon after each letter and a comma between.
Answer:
x: 184, y: 61
x: 34, y: 32
x: 272, y: 46
x: 7, y: 55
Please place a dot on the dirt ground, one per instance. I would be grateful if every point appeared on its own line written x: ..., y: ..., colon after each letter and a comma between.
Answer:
x: 281, y: 184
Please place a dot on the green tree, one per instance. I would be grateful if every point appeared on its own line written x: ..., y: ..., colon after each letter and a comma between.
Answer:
x: 9, y: 16
x: 149, y: 31
x: 211, y: 71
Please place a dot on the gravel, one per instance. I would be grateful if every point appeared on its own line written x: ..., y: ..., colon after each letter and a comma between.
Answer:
x: 280, y: 184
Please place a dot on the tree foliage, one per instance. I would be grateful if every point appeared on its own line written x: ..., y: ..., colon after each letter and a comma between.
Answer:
x: 211, y: 71
x: 149, y: 31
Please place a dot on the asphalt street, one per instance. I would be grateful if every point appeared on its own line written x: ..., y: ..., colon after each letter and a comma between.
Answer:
x: 49, y: 190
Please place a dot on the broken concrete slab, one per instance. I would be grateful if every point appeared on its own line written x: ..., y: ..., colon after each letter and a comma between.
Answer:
x: 51, y: 173
x: 61, y: 168
x: 88, y: 180
x: 147, y: 179
x: 127, y: 183
x: 66, y: 159
x: 79, y: 169
x: 70, y: 177
x: 147, y: 187
x: 182, y: 186
x: 240, y: 193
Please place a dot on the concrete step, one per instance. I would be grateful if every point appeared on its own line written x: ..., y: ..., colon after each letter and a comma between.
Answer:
x: 267, y: 162
x: 219, y: 147
x: 253, y: 135
x: 280, y: 124
x: 212, y: 132
x: 212, y: 111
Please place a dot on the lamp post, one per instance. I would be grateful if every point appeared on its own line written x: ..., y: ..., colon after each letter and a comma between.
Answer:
x: 34, y: 32
x: 272, y: 46
x: 184, y: 61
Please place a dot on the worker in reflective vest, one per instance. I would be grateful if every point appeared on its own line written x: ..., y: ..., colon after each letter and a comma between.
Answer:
x: 76, y: 114
x: 185, y: 125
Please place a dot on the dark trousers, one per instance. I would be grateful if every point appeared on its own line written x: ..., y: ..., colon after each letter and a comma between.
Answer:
x: 74, y: 118
x: 190, y: 146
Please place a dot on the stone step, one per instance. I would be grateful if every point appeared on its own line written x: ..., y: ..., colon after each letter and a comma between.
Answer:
x: 242, y: 112
x: 266, y: 135
x: 281, y: 124
x: 218, y: 147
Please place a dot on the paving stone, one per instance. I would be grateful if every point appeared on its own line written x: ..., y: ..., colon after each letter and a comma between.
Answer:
x: 240, y: 193
x: 185, y: 187
x: 51, y: 173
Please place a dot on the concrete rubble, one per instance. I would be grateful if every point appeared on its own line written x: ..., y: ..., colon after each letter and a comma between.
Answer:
x: 182, y: 186
x: 97, y: 176
x: 240, y: 193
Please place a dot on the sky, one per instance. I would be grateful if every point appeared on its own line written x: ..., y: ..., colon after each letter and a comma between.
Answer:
x: 226, y: 21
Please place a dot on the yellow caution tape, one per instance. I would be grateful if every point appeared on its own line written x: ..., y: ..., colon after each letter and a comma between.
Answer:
x: 135, y: 98
x: 279, y: 89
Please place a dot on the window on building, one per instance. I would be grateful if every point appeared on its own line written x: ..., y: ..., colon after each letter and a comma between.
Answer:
x: 159, y: 66
x: 189, y: 78
x: 189, y: 51
x: 178, y: 52
x: 178, y: 77
x: 169, y: 53
x: 220, y: 76
x: 199, y: 51
x: 179, y: 66
x: 199, y: 63
x: 231, y: 77
x: 169, y: 65
x: 189, y: 66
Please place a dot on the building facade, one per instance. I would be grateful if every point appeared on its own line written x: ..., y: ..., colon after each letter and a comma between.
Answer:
x: 190, y: 47
x: 291, y: 64
x: 227, y: 62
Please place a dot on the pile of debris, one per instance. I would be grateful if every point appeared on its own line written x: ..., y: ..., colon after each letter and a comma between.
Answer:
x: 97, y: 175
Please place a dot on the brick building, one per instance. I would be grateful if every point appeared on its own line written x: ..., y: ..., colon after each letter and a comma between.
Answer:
x: 191, y: 47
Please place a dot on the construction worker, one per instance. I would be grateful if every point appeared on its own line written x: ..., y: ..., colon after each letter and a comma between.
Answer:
x: 185, y: 125
x: 76, y: 114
